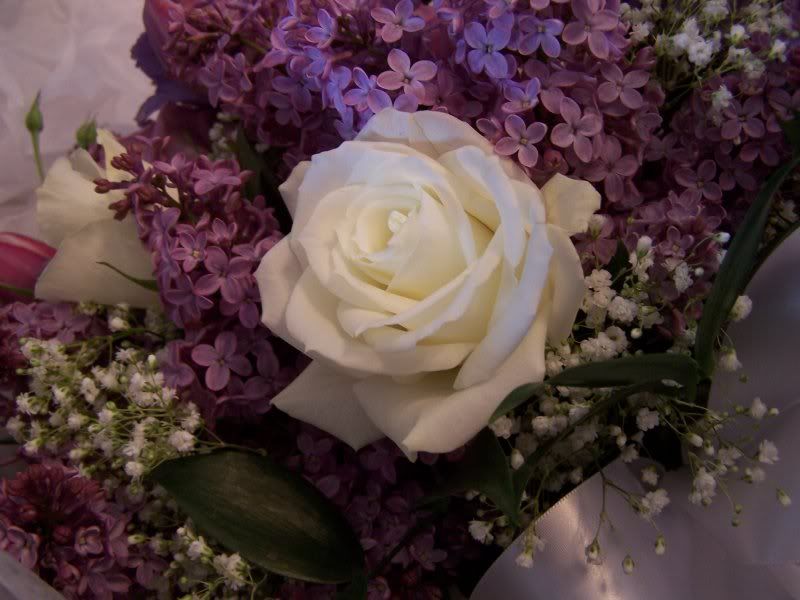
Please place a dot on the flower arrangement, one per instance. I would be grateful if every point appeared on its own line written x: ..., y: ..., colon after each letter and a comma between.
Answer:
x: 382, y: 282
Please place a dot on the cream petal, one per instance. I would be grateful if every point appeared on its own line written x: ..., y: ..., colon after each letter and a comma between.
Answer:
x: 312, y: 318
x: 84, y: 164
x: 570, y: 203
x: 491, y: 194
x: 430, y: 416
x: 75, y: 276
x: 567, y: 285
x: 276, y: 277
x: 290, y: 189
x: 324, y: 397
x: 430, y: 132
x: 111, y: 148
x: 66, y: 202
x: 513, y: 317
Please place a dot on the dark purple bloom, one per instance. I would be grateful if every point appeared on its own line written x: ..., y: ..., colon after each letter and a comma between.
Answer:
x: 485, y: 53
x: 177, y: 374
x: 224, y: 275
x: 611, y: 167
x: 207, y: 180
x: 367, y: 95
x: 766, y: 149
x: 701, y: 182
x: 591, y: 22
x: 424, y: 553
x: 745, y: 118
x: 622, y: 86
x: 521, y: 140
x: 521, y: 99
x: 297, y: 87
x: 221, y: 359
x: 191, y: 249
x: 396, y: 21
x: 404, y: 75
x: 213, y: 77
x: 187, y: 299
x: 247, y: 309
x: 542, y: 33
x: 576, y: 130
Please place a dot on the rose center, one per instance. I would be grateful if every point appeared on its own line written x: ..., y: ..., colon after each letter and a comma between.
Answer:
x: 396, y: 221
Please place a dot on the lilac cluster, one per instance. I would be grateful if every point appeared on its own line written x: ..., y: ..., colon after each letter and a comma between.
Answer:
x: 551, y: 84
x: 377, y: 490
x: 62, y: 526
x: 206, y: 241
x: 719, y: 148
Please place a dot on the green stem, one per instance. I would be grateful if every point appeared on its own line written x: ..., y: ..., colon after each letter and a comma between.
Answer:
x: 17, y: 290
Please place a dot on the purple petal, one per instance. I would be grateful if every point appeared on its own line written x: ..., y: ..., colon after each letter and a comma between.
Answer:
x: 204, y: 355
x: 612, y: 72
x: 731, y: 129
x: 626, y: 166
x: 685, y: 177
x: 413, y: 24
x: 207, y: 284
x: 225, y: 344
x: 551, y: 46
x: 631, y: 98
x: 607, y: 92
x: 636, y: 79
x: 240, y: 365
x: 423, y: 70
x: 399, y: 61
x: 614, y: 187
x: 562, y: 135
x: 529, y: 156
x: 514, y: 126
x: 506, y: 146
x: 390, y: 80
x: 574, y: 33
x: 499, y: 37
x: 754, y: 127
x: 383, y: 15
x: 377, y: 100
x: 589, y: 124
x: 404, y: 9
x: 570, y: 111
x: 390, y: 33
x: 475, y: 35
x: 598, y: 44
x: 536, y: 132
x: 496, y: 65
x: 476, y: 60
x: 707, y: 170
x: 583, y: 148
x: 712, y: 191
x: 217, y: 376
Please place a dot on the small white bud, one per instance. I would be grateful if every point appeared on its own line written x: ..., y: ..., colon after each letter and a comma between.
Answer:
x: 661, y: 545
x: 628, y: 564
x: 695, y: 440
x: 783, y: 497
x: 636, y: 333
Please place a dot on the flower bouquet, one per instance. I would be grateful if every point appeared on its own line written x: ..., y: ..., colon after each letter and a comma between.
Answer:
x: 377, y: 285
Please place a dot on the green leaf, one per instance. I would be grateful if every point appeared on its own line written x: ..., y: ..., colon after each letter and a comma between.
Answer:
x: 736, y: 269
x: 250, y: 160
x: 628, y: 370
x: 148, y: 284
x: 271, y: 516
x: 24, y: 292
x: 34, y: 123
x: 86, y: 134
x: 484, y: 468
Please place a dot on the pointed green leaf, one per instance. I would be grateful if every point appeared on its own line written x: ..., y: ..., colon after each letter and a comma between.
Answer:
x: 628, y: 370
x: 271, y: 516
x: 736, y: 269
x: 791, y: 130
x: 484, y: 468
x: 148, y: 284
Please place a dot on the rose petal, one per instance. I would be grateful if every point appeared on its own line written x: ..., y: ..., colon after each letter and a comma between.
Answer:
x: 570, y: 203
x: 290, y: 189
x: 325, y: 398
x: 566, y: 285
x: 430, y: 416
x: 75, y: 276
x: 276, y: 277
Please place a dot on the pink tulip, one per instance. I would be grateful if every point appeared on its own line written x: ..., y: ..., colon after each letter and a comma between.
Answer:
x: 22, y: 259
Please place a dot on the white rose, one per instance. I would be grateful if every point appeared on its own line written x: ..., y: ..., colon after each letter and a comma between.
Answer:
x: 423, y: 274
x: 77, y: 221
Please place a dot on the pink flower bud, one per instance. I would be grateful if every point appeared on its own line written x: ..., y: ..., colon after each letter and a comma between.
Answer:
x: 22, y: 259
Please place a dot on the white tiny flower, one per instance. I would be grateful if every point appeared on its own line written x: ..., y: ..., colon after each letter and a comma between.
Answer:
x: 741, y: 308
x: 729, y: 455
x: 778, y: 50
x: 231, y: 568
x: 75, y: 421
x: 704, y: 487
x: 629, y: 454
x: 622, y: 310
x: 767, y: 453
x: 502, y: 427
x: 599, y: 279
x: 134, y: 469
x: 661, y: 545
x: 646, y: 419
x: 681, y: 277
x: 524, y: 560
x: 722, y: 237
x: 641, y: 31
x: 198, y: 549
x: 517, y: 460
x: 576, y: 475
x: 695, y: 440
x: 728, y: 360
x: 737, y: 34
x: 650, y: 475
x: 181, y: 440
x: 105, y: 416
x: 783, y: 497
x: 715, y: 9
x: 758, y: 409
x: 755, y: 474
x: 481, y: 531
x: 118, y: 324
x: 653, y: 503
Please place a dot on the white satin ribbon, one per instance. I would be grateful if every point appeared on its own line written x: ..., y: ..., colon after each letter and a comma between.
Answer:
x: 706, y: 557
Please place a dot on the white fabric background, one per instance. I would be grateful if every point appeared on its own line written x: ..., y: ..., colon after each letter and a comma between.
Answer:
x: 77, y: 52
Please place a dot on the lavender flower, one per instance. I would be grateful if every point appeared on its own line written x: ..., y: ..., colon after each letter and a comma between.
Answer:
x: 542, y: 33
x: 397, y: 21
x: 224, y: 274
x: 404, y: 75
x: 521, y: 140
x: 486, y: 47
x: 591, y: 23
x: 625, y: 87
x: 521, y: 99
x: 576, y: 129
x: 221, y: 359
x: 367, y: 95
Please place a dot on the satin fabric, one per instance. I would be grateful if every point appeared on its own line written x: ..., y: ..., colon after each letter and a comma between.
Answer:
x: 706, y: 557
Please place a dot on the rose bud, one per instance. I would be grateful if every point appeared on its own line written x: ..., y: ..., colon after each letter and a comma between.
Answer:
x: 21, y: 260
